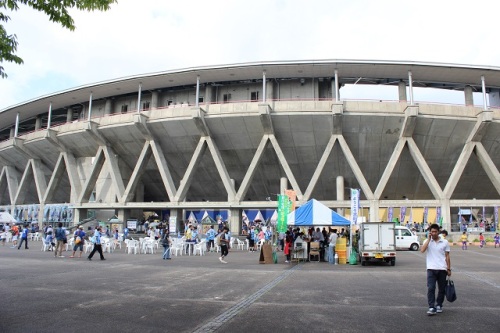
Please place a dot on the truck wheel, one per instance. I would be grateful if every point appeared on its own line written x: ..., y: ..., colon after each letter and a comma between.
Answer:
x: 393, y: 262
x: 414, y: 247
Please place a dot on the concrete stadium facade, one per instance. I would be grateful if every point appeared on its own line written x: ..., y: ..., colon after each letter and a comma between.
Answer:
x: 231, y: 137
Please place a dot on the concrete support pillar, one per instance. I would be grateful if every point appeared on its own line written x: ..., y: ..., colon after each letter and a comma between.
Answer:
x: 469, y: 100
x: 373, y: 215
x: 340, y: 193
x: 315, y: 88
x: 197, y: 97
x: 69, y: 115
x: 123, y: 215
x: 410, y: 84
x: 154, y: 99
x: 108, y: 107
x: 235, y: 221
x: 79, y: 214
x: 483, y: 89
x: 38, y: 123
x: 12, y: 132
x: 283, y: 185
x: 335, y: 87
x: 233, y: 184
x: 208, y: 94
x: 446, y: 214
x: 270, y: 91
x: 402, y: 91
x: 139, y: 98
x: 49, y: 118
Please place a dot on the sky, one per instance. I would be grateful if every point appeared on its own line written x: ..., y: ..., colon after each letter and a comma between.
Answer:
x: 147, y: 36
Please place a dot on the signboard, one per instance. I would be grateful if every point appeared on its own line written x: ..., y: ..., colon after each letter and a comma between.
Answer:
x: 172, y: 224
x: 132, y: 224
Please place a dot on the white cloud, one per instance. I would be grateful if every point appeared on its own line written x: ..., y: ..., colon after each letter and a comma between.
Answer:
x: 153, y: 35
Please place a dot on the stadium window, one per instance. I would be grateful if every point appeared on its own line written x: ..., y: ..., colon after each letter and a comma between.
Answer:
x: 254, y: 96
x: 226, y: 98
x: 124, y: 108
x: 170, y: 102
x: 200, y: 99
x: 145, y: 106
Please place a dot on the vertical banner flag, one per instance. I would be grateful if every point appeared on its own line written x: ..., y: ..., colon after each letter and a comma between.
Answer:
x: 402, y: 215
x: 283, y: 210
x: 390, y: 213
x: 496, y: 217
x: 426, y: 213
x: 354, y: 205
x: 438, y: 214
x: 470, y: 216
x: 460, y: 215
x: 411, y: 216
x: 292, y: 196
x: 484, y: 213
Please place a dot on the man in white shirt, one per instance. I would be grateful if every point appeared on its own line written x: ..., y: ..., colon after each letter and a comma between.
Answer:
x: 438, y: 267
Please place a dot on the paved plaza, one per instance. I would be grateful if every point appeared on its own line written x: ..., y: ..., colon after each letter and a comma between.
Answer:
x: 143, y: 293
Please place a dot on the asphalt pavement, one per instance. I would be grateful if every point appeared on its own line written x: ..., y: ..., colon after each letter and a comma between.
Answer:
x: 143, y: 293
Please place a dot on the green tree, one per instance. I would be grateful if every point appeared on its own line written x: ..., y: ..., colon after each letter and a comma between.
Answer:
x: 57, y: 10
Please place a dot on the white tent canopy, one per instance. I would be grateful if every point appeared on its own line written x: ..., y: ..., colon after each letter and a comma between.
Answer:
x: 314, y: 213
x: 5, y: 217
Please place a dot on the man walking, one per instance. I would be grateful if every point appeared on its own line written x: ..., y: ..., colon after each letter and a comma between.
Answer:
x: 224, y: 244
x: 438, y: 267
x: 97, y: 244
x: 24, y: 238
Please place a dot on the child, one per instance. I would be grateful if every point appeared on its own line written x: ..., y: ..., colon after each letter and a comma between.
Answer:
x: 463, y: 238
x: 497, y: 240
x: 481, y: 240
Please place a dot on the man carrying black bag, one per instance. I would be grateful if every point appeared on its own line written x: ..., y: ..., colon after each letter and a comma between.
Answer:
x: 438, y: 267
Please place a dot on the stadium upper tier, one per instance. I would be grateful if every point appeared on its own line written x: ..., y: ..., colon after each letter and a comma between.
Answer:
x: 228, y: 136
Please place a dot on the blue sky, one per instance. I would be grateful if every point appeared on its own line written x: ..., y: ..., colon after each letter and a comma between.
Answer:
x: 137, y: 37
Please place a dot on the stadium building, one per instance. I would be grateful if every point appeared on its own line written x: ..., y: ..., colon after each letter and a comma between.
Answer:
x: 228, y: 139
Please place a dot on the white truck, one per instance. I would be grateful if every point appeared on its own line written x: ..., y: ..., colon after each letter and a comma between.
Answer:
x: 377, y: 241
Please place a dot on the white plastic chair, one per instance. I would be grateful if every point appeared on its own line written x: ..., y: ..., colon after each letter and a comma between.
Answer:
x: 148, y: 246
x: 260, y: 243
x: 37, y: 236
x: 88, y: 246
x: 70, y: 243
x: 132, y: 246
x: 200, y: 247
x: 176, y: 248
x: 247, y: 243
x: 241, y: 244
x: 45, y: 246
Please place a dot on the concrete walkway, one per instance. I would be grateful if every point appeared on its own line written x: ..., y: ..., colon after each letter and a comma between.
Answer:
x: 143, y: 293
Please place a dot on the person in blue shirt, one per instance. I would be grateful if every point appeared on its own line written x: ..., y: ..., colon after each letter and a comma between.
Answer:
x: 497, y: 240
x: 60, y: 234
x: 24, y: 238
x: 125, y: 233
x: 78, y: 233
x: 210, y: 238
x: 97, y: 244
